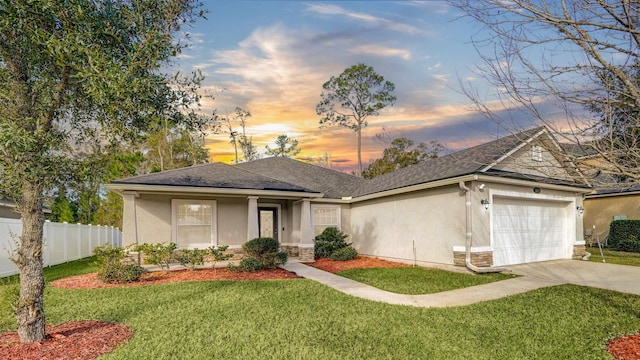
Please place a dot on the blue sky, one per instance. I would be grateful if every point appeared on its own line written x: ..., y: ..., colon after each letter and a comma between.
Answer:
x: 272, y: 57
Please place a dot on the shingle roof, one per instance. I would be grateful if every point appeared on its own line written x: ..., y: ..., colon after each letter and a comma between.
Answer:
x: 333, y: 184
x: 460, y: 163
x: 214, y: 175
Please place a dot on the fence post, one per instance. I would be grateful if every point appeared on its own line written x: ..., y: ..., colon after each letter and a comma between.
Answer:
x: 46, y: 233
x: 79, y: 239
x: 65, y: 246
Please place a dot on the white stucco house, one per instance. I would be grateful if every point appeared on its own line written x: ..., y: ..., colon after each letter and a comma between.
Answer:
x: 491, y: 205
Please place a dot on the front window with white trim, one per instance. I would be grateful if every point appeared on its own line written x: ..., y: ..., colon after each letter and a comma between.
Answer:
x: 194, y: 223
x: 325, y: 216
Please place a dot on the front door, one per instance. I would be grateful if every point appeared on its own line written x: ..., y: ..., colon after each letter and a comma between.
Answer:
x: 268, y: 222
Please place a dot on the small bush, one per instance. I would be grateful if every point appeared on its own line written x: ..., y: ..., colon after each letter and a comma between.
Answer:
x: 119, y: 273
x: 624, y: 235
x: 157, y: 254
x: 346, y: 253
x: 329, y: 241
x: 107, y: 254
x: 250, y: 264
x: 260, y: 246
x: 191, y: 258
x: 266, y: 251
x: 218, y: 253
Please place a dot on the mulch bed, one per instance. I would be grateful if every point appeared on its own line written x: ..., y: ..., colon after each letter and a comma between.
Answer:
x: 625, y: 348
x: 360, y: 262
x: 91, y: 281
x: 77, y: 340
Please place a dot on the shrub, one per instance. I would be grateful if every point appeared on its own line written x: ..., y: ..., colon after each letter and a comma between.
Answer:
x: 624, y: 235
x: 119, y: 273
x: 218, y: 253
x: 266, y: 251
x: 250, y: 264
x: 108, y: 254
x: 346, y: 253
x: 157, y: 254
x: 191, y: 258
x: 329, y: 241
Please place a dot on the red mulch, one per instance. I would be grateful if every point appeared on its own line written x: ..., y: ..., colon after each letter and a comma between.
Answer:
x: 625, y: 348
x: 77, y: 340
x: 360, y: 262
x: 91, y: 281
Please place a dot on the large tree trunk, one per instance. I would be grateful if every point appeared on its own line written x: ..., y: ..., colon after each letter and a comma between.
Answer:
x: 360, y: 151
x: 29, y: 310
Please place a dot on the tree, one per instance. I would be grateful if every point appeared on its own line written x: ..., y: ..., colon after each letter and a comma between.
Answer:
x: 249, y: 150
x: 173, y: 146
x: 72, y: 73
x: 349, y: 99
x: 400, y: 155
x: 285, y: 147
x: 578, y: 54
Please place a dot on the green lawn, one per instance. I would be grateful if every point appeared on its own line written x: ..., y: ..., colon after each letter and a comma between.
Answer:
x: 614, y: 257
x: 301, y: 319
x: 419, y: 280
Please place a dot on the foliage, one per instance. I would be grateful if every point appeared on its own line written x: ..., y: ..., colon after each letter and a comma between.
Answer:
x: 61, y: 210
x: 174, y: 146
x: 344, y: 254
x: 400, y: 155
x: 109, y: 211
x: 329, y: 241
x: 191, y: 258
x: 285, y: 147
x: 250, y: 264
x: 157, y: 254
x: 624, y: 235
x: 265, y: 250
x: 75, y: 75
x: 349, y: 99
x: 218, y: 253
x: 110, y: 266
x: 545, y: 56
x: 238, y: 139
x: 119, y: 273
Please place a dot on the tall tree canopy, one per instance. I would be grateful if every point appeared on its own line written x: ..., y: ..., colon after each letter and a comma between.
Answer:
x: 575, y: 54
x: 75, y: 73
x: 285, y: 147
x: 400, y: 155
x: 349, y: 99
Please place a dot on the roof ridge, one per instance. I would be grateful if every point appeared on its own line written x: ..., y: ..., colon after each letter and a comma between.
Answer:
x: 164, y: 172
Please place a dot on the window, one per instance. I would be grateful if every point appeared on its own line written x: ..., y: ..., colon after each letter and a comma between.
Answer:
x: 536, y: 154
x: 194, y: 223
x: 324, y: 217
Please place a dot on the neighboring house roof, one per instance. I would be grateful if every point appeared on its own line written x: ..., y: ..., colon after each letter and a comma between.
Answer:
x: 277, y: 173
x: 333, y: 184
x: 214, y: 175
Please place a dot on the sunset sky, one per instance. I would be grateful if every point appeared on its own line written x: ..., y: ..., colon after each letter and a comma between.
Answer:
x: 272, y: 57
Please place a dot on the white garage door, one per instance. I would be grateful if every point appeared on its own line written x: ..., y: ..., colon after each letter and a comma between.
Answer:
x: 526, y: 230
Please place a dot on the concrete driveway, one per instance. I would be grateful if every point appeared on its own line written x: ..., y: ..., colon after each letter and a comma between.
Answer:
x: 599, y: 275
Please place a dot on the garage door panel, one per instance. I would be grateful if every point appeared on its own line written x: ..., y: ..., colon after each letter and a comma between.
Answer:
x: 529, y: 230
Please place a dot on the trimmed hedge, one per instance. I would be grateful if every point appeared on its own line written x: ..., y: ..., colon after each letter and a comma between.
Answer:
x: 328, y: 242
x: 624, y: 235
x: 266, y: 251
x: 344, y: 254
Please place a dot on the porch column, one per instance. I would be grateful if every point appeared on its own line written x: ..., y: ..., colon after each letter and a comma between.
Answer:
x: 252, y: 218
x: 129, y: 220
x: 306, y: 233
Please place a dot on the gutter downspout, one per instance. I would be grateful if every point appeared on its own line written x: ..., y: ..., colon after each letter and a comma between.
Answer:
x: 467, y: 258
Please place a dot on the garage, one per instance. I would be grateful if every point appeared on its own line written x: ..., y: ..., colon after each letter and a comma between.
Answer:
x: 530, y: 230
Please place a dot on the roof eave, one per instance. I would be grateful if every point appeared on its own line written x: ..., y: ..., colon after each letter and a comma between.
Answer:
x: 120, y: 188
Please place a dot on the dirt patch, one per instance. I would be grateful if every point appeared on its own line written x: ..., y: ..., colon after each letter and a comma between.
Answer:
x: 625, y: 348
x: 360, y: 262
x: 78, y: 340
x: 91, y: 281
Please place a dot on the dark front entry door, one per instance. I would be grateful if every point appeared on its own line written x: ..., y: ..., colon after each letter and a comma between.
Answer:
x: 268, y: 222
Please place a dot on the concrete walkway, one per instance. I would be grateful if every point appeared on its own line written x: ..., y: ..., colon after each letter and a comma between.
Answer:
x: 533, y: 276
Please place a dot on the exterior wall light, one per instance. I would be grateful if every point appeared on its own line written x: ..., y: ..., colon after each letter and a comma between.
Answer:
x: 580, y: 209
x: 485, y: 203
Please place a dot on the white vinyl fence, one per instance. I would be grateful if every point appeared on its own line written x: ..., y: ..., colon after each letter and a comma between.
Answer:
x: 62, y: 242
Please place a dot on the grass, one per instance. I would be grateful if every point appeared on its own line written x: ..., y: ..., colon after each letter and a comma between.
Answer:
x: 614, y: 257
x: 419, y: 280
x: 301, y: 319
